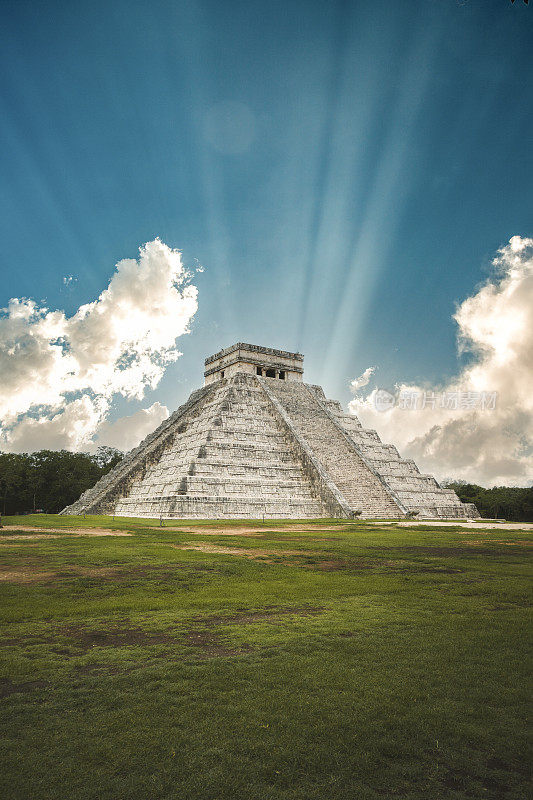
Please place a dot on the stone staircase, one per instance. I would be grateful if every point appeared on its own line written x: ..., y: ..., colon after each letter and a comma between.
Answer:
x: 418, y: 494
x: 247, y: 446
x: 230, y: 460
x: 104, y: 495
x: 361, y: 488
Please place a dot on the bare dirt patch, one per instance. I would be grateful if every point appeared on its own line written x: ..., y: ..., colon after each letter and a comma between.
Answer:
x: 7, y: 687
x: 241, y: 551
x: 85, y: 638
x: 51, y: 533
x: 477, y: 525
x: 451, y: 552
x: 23, y: 538
x: 517, y: 543
x: 335, y: 564
x: 162, y: 571
x: 248, y: 531
x: 26, y: 576
x: 323, y: 561
x: 361, y: 565
x: 308, y: 539
x: 246, y: 617
x: 199, y: 633
x: 208, y: 531
x: 212, y: 645
x: 36, y: 574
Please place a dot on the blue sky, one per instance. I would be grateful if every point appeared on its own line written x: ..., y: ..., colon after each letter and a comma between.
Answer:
x: 344, y: 172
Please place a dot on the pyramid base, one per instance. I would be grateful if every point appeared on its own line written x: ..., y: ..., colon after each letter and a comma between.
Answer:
x: 248, y: 447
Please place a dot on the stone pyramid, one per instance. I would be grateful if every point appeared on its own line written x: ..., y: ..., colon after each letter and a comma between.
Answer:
x: 256, y: 440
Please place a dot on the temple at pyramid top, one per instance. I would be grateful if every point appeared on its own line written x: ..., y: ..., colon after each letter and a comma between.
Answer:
x: 254, y: 360
x: 256, y: 441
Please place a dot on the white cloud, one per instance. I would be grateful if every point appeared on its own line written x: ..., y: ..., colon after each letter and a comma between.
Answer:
x: 59, y: 373
x: 362, y: 380
x: 489, y: 447
x: 127, y: 432
x: 70, y: 428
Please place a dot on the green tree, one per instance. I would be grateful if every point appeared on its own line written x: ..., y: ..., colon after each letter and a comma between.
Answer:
x: 13, y: 480
x: 50, y: 479
x: 513, y: 503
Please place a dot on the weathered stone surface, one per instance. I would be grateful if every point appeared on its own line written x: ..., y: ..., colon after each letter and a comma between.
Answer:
x: 254, y: 360
x: 248, y: 445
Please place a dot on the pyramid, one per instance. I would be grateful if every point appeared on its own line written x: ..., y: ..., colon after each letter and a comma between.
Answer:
x: 257, y: 441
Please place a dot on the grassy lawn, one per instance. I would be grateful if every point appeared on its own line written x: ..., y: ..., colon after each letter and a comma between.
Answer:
x: 251, y: 661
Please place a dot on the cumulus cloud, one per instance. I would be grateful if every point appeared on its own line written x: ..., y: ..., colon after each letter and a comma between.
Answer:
x: 70, y: 428
x: 362, y: 380
x: 127, y: 432
x: 479, y: 426
x: 60, y: 374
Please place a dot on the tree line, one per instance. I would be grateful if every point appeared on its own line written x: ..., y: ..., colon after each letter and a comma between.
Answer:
x: 500, y: 502
x: 49, y: 480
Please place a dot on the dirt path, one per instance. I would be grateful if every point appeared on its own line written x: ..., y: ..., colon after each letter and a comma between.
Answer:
x: 237, y: 531
x: 241, y: 551
x: 499, y: 526
x: 52, y: 533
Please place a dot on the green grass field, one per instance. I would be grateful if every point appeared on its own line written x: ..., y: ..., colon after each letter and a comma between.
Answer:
x: 321, y: 660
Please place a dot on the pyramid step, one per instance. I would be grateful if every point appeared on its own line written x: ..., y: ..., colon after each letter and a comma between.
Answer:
x: 246, y: 446
x: 356, y: 482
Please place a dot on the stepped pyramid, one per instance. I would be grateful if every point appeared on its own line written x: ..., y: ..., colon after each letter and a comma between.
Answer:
x: 256, y: 440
